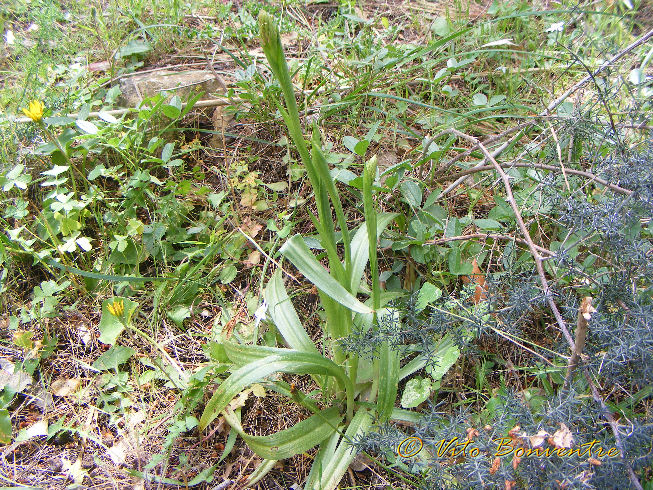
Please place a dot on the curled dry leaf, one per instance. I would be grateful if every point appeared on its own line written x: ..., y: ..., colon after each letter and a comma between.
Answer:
x: 477, y: 277
x: 251, y: 228
x: 562, y: 438
x: 85, y: 334
x: 258, y: 390
x: 74, y: 470
x: 515, y: 435
x: 538, y: 439
x: 515, y: 462
x: 472, y: 433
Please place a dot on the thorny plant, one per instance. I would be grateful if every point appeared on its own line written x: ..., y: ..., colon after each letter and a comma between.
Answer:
x: 547, y: 435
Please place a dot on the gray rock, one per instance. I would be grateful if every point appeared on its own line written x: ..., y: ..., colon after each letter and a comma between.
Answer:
x: 182, y: 83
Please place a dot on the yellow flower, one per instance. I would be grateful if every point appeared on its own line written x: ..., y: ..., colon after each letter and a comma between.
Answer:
x: 117, y: 308
x: 35, y: 111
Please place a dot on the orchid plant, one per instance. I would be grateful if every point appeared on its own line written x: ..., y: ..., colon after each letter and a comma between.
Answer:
x: 357, y: 391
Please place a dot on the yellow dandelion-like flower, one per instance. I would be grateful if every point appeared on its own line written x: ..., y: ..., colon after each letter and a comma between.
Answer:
x: 35, y: 110
x: 117, y: 308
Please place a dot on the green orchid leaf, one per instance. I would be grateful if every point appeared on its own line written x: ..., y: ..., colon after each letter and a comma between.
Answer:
x: 290, y: 361
x: 300, y: 255
x: 295, y: 440
x: 285, y: 317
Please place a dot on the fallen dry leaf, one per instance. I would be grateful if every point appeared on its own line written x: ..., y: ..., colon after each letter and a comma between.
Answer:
x: 515, y: 462
x: 118, y: 452
x: 258, y: 390
x: 496, y: 464
x: 74, y: 470
x: 64, y: 386
x: 99, y: 66
x: 538, y: 439
x: 562, y: 438
x: 252, y: 259
x: 85, y: 334
x: 40, y: 428
x: 250, y: 227
x: 472, y: 433
x: 480, y: 293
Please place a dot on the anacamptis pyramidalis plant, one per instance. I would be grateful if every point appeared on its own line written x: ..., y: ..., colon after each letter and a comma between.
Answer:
x: 356, y: 391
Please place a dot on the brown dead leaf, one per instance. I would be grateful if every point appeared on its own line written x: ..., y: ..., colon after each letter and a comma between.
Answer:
x: 515, y: 462
x: 64, y: 386
x: 538, y: 439
x: 480, y: 293
x: 472, y: 433
x: 496, y: 464
x: 288, y: 38
x: 99, y: 66
x: 252, y: 259
x: 562, y: 438
x: 240, y: 400
x: 250, y: 227
x: 514, y: 432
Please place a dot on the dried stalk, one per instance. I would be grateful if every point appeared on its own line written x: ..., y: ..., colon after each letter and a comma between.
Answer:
x: 584, y: 314
x: 582, y: 173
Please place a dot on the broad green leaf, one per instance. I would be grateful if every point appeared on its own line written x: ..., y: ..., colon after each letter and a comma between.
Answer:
x: 326, y: 182
x: 360, y: 251
x: 329, y: 466
x: 417, y: 390
x: 446, y: 357
x: 284, y: 316
x: 86, y: 126
x: 440, y: 27
x: 112, y: 326
x: 487, y: 224
x: 179, y: 314
x: 361, y: 147
x: 350, y: 143
x: 412, y: 193
x: 105, y: 116
x: 479, y: 99
x: 290, y: 362
x: 300, y: 255
x: 56, y: 170
x: 228, y: 274
x: 5, y: 427
x: 388, y: 380
x: 171, y: 111
x: 167, y: 152
x: 243, y: 354
x: 176, y: 102
x: 295, y: 440
x: 134, y: 47
x: 427, y: 294
x: 456, y: 264
x: 114, y: 357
